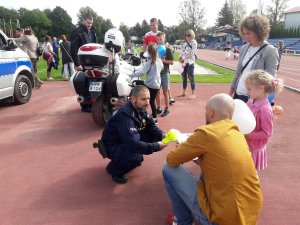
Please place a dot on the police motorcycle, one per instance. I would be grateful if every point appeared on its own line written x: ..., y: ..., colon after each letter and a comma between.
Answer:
x: 104, y: 82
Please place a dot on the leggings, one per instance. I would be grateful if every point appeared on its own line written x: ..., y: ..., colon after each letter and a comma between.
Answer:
x: 153, y: 93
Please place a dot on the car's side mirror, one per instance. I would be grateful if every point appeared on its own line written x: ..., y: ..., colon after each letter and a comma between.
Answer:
x: 11, y: 45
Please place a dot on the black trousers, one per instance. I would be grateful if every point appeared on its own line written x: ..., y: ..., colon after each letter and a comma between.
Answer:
x: 123, y: 161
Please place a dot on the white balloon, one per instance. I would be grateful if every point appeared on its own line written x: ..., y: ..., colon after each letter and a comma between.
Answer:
x: 243, y: 117
x: 178, y: 67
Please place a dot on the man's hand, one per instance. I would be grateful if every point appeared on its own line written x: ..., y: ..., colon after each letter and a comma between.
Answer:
x: 79, y: 68
x: 161, y: 145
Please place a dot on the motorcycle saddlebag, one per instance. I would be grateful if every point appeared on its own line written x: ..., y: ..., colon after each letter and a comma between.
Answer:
x: 81, y: 84
x: 111, y: 85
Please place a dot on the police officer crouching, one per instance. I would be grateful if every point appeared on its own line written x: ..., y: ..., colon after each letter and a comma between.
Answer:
x: 129, y: 135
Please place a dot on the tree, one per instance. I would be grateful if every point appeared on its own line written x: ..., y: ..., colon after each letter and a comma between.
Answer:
x: 125, y: 30
x: 238, y: 9
x: 145, y: 27
x: 225, y: 16
x: 137, y: 31
x: 37, y: 19
x: 161, y: 27
x: 171, y: 34
x: 61, y: 22
x: 275, y: 11
x: 191, y: 15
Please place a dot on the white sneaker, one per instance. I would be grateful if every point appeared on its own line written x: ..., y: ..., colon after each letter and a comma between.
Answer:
x: 50, y: 78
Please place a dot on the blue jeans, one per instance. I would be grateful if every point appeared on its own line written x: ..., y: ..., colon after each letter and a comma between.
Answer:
x: 188, y: 72
x: 182, y: 188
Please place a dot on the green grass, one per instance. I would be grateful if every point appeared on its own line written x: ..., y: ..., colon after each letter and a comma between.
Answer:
x: 223, y: 75
x: 42, y: 70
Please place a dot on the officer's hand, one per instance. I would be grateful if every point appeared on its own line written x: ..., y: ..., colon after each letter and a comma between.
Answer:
x: 79, y: 68
x: 161, y: 145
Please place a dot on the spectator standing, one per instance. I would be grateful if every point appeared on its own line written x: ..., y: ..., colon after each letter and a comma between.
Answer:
x: 165, y: 74
x: 20, y: 34
x: 48, y: 56
x: 30, y: 44
x: 83, y: 34
x: 280, y: 48
x: 256, y: 54
x: 55, y: 47
x: 150, y: 37
x: 67, y: 61
x: 188, y: 57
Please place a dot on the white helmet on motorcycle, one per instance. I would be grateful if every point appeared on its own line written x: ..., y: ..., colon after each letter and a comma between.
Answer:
x: 114, y: 39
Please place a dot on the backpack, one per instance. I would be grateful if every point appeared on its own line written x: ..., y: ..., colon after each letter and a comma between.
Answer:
x: 39, y: 51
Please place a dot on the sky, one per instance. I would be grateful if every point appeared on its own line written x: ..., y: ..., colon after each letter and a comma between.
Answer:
x: 130, y: 12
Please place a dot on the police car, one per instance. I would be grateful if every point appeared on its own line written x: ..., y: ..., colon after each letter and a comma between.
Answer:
x: 16, y: 78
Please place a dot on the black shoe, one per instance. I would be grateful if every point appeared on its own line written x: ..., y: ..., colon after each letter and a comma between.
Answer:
x: 158, y: 110
x: 108, y: 169
x: 118, y: 179
x: 166, y: 113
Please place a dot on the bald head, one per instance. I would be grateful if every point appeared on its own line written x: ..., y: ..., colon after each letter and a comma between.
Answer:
x: 219, y: 107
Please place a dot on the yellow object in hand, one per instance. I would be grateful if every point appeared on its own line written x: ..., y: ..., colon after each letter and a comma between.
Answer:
x: 172, y: 135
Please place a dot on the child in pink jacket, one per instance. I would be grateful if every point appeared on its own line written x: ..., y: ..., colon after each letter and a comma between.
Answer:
x: 259, y: 83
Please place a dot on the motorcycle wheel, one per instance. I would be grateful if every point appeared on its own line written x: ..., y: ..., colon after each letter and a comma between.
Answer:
x: 102, y: 110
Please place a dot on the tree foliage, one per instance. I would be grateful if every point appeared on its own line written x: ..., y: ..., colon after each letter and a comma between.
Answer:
x: 225, y: 16
x: 125, y: 30
x: 61, y: 22
x: 38, y: 20
x: 191, y: 15
x: 238, y: 9
x: 275, y: 11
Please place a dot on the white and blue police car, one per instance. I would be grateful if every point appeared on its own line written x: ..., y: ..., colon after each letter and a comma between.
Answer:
x: 16, y: 78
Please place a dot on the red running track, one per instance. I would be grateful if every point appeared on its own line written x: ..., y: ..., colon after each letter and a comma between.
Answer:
x: 289, y: 66
x: 50, y: 175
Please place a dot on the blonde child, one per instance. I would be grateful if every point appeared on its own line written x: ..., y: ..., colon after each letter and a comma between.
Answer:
x: 259, y: 83
x: 152, y: 69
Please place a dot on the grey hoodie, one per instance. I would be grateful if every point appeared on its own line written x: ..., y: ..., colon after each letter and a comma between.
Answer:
x: 152, y: 73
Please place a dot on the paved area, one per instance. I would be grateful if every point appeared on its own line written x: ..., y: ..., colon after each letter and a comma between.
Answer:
x: 50, y: 175
x: 199, y: 70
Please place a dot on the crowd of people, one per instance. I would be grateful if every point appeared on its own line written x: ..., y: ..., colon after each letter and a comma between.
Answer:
x: 228, y: 190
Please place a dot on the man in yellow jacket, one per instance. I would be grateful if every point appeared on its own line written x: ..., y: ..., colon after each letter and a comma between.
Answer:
x: 228, y: 191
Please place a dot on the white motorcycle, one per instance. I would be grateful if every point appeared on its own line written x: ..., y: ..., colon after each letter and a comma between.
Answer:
x: 104, y: 82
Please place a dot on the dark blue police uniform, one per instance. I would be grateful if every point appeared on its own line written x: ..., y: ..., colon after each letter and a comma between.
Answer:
x: 127, y: 136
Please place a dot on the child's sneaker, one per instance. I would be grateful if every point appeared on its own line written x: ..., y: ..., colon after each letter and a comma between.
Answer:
x: 155, y: 121
x: 158, y: 110
x: 165, y: 113
x: 171, y: 219
x: 172, y: 100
